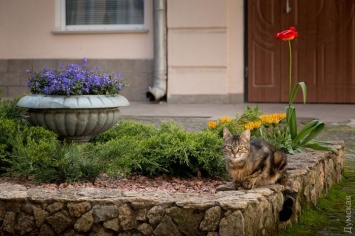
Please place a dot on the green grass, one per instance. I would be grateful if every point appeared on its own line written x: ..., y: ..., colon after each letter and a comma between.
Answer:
x: 329, y: 217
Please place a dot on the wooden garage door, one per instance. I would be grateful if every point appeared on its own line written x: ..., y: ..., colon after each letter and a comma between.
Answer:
x: 323, y: 54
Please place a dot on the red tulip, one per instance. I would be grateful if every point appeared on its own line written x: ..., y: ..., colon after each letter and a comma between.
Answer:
x: 287, y: 34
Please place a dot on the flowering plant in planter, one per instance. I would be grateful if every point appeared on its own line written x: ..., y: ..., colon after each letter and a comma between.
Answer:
x: 74, y: 79
x: 75, y: 102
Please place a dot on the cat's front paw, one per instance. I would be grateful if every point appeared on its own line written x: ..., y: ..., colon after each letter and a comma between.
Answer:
x: 247, y: 184
x: 230, y: 186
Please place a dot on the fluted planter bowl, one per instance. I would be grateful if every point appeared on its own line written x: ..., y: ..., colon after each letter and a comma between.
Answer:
x: 74, y: 118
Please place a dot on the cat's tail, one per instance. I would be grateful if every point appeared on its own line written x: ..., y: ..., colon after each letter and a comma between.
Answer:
x: 289, y: 194
x: 288, y: 206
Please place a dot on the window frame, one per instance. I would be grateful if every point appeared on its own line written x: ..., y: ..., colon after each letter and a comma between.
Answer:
x: 61, y: 26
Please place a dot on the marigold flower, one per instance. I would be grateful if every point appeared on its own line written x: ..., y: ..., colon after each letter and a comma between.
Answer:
x: 287, y: 34
x: 212, y: 124
x: 272, y: 118
x: 226, y: 119
x: 252, y: 125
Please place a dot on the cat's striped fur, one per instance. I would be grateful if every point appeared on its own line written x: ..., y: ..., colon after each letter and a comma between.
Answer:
x: 251, y: 162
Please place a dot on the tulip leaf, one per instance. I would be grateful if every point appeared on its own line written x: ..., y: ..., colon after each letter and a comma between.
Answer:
x: 301, y: 85
x: 317, y: 145
x: 306, y: 132
x: 314, y: 131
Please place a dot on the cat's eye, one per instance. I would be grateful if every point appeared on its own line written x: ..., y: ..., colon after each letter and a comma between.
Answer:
x: 228, y: 147
x: 240, y: 148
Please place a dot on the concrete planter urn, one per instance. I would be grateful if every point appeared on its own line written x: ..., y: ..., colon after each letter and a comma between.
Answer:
x: 75, y: 118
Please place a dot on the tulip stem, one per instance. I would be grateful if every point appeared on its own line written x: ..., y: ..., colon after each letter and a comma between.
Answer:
x: 290, y: 71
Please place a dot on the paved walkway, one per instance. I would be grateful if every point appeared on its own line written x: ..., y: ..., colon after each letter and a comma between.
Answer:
x: 332, y: 113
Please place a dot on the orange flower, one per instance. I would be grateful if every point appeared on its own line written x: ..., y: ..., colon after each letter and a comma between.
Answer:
x: 272, y: 118
x: 225, y: 119
x: 287, y: 34
x: 252, y: 125
x: 212, y: 124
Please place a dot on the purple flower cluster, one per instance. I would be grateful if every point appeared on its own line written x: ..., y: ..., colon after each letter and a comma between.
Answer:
x: 74, y: 79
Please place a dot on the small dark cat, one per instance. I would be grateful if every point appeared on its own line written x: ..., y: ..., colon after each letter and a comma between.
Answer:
x: 250, y: 163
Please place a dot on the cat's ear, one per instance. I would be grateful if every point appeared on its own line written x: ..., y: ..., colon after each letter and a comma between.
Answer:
x: 226, y: 134
x: 246, y: 135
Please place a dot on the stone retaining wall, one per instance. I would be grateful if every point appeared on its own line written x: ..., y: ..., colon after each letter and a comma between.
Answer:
x: 90, y: 211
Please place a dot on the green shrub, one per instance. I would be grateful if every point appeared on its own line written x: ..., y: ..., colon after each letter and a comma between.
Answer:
x: 38, y: 155
x: 71, y: 164
x: 168, y: 149
x: 8, y: 130
x: 32, y: 151
x: 129, y: 147
x: 117, y: 156
x: 126, y: 128
x: 9, y: 109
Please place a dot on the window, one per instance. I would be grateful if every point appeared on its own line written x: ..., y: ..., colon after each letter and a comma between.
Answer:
x: 96, y: 15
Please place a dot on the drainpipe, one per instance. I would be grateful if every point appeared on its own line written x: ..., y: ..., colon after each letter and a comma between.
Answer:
x: 160, y: 73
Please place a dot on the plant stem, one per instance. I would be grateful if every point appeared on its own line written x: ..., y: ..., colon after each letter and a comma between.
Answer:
x: 290, y: 71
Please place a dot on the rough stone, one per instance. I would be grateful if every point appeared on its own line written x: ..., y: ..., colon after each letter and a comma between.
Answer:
x: 145, y: 229
x: 9, y: 222
x: 233, y: 203
x: 126, y: 217
x: 2, y: 213
x: 211, y: 219
x: 46, y: 231
x: 78, y: 209
x: 104, y: 213
x: 167, y: 227
x: 232, y: 225
x: 212, y: 234
x: 59, y: 222
x: 112, y: 224
x: 195, y: 202
x: 16, y: 195
x: 12, y: 206
x: 156, y: 214
x: 40, y: 215
x: 99, y: 230
x: 26, y: 208
x: 84, y: 223
x: 25, y: 224
x: 187, y: 220
x: 55, y: 207
x: 70, y: 233
x: 142, y: 215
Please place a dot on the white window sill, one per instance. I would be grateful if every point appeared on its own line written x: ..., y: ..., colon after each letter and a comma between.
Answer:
x: 110, y: 31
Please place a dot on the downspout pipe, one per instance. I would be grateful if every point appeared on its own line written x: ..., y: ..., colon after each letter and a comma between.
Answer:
x: 158, y: 90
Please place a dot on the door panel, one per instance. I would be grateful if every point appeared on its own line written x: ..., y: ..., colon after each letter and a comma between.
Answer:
x: 264, y: 54
x: 323, y: 55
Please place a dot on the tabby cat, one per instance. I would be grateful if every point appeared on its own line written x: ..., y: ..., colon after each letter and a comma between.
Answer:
x: 251, y: 162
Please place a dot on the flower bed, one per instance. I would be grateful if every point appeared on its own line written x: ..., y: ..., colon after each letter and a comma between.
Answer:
x: 101, y: 211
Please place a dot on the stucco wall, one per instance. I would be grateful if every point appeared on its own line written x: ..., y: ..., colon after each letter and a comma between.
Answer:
x: 30, y: 38
x: 29, y: 29
x: 205, y: 50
